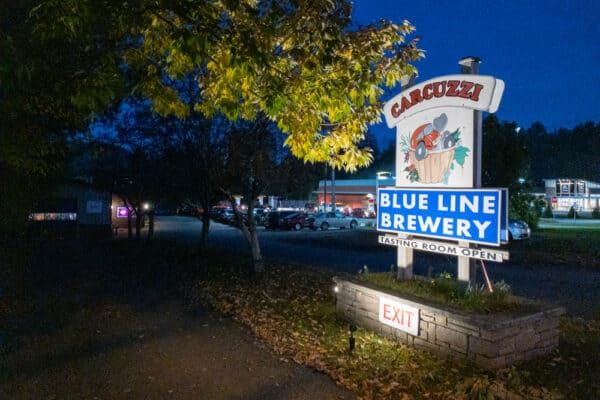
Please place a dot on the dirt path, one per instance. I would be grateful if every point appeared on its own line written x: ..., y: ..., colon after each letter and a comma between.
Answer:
x: 100, y: 331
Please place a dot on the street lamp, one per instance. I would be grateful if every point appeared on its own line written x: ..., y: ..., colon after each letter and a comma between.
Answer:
x: 521, y: 182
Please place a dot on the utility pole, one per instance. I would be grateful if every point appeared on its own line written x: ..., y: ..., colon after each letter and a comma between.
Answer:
x: 333, y: 208
x: 325, y: 190
x: 467, y: 266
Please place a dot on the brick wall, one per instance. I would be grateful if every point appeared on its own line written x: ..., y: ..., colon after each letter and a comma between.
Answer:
x: 492, y: 341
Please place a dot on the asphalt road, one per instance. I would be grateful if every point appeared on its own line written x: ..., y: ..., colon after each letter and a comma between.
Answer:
x: 575, y: 287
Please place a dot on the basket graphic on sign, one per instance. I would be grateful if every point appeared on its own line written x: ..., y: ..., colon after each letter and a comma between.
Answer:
x: 431, y: 151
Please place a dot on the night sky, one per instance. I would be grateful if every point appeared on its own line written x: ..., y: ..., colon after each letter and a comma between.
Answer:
x: 547, y: 52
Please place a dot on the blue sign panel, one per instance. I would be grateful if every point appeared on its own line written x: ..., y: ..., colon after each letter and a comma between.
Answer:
x: 471, y: 215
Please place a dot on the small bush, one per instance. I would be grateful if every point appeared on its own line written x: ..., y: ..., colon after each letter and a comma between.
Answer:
x: 572, y: 213
x: 446, y: 291
x: 596, y: 213
x: 548, y: 212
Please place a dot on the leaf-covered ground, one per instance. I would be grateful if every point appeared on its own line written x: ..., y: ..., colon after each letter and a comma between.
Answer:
x: 293, y: 309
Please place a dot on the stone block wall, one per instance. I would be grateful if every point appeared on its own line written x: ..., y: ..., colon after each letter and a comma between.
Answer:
x: 491, y: 341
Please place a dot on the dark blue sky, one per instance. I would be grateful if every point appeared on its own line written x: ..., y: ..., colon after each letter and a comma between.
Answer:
x: 547, y: 52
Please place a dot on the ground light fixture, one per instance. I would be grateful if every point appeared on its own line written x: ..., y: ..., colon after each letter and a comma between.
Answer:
x: 351, y: 339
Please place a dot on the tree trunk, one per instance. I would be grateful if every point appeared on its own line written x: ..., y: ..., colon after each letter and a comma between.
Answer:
x: 129, y: 225
x: 205, y: 229
x: 251, y: 235
x: 151, y: 224
x: 138, y: 223
x: 257, y: 260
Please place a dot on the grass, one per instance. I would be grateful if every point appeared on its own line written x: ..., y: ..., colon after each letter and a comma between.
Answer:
x: 559, y: 247
x: 447, y: 292
x: 549, y: 246
x: 382, y: 369
x: 293, y: 310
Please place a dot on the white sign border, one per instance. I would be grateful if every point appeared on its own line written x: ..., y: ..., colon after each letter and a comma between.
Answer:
x: 389, y: 241
x: 499, y: 241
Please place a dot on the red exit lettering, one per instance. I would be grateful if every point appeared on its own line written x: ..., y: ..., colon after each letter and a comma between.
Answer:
x: 398, y: 315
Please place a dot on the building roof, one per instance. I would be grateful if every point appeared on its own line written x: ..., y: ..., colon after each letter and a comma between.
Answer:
x: 589, y: 184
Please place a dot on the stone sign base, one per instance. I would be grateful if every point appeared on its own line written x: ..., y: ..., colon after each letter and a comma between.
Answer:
x: 491, y: 341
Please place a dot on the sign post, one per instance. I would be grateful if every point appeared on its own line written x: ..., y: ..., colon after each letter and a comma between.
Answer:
x: 438, y: 145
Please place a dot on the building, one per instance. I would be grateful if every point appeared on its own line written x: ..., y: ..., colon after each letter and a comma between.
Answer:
x: 563, y: 194
x: 351, y: 193
x: 72, y: 209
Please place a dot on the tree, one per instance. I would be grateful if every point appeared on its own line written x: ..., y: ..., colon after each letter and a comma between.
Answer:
x: 250, y: 166
x: 302, y: 64
x: 565, y: 153
x: 58, y: 62
x: 505, y: 156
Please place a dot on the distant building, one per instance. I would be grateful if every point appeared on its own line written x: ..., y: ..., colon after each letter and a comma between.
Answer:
x: 72, y: 209
x: 563, y: 194
x: 351, y: 193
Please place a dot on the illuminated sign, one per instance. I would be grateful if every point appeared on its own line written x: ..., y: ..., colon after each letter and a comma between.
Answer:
x: 475, y: 92
x: 122, y: 212
x: 445, y: 248
x: 399, y: 316
x: 435, y: 149
x: 466, y: 215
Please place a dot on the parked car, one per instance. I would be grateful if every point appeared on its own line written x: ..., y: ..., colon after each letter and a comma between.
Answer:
x: 190, y: 210
x: 295, y: 221
x: 332, y: 220
x: 259, y: 216
x: 226, y: 216
x: 358, y: 213
x: 518, y: 230
x: 215, y: 212
x: 272, y: 219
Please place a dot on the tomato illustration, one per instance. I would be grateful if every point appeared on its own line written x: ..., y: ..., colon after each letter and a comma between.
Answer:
x: 427, y: 137
x: 424, y: 138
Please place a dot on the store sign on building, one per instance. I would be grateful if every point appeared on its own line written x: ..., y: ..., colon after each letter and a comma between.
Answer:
x: 473, y: 216
x: 122, y: 212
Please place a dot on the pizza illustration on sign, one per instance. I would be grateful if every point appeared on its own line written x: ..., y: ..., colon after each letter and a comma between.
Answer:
x: 432, y: 151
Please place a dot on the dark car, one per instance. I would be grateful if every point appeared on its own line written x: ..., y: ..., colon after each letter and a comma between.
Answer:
x: 295, y: 221
x: 273, y: 218
x: 358, y: 212
x: 190, y: 210
x: 259, y: 216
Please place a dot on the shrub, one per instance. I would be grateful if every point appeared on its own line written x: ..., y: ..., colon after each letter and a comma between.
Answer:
x: 446, y: 291
x: 596, y: 213
x: 523, y: 206
x: 548, y: 212
x: 572, y: 213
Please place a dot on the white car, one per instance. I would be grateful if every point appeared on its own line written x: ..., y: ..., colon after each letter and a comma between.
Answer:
x: 518, y: 230
x: 332, y: 220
